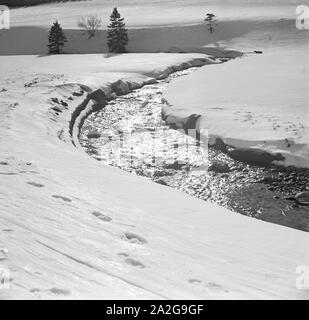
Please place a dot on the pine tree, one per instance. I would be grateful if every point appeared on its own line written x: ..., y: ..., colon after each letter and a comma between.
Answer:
x: 117, y: 34
x: 56, y: 39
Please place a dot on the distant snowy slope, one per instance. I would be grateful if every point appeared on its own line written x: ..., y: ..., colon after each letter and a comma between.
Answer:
x: 139, y: 13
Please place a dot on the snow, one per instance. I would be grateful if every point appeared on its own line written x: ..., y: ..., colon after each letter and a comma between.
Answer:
x: 140, y: 13
x: 72, y: 227
x: 158, y: 243
x: 258, y: 100
x: 154, y: 26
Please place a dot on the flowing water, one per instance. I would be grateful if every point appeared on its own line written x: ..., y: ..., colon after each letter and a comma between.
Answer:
x: 130, y: 134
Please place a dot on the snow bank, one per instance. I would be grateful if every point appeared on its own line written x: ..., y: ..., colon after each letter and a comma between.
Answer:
x: 256, y: 101
x: 74, y: 228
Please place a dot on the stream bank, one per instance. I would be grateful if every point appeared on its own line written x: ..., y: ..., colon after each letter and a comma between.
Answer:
x: 129, y: 133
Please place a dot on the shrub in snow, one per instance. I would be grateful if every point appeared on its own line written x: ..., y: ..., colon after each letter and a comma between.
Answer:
x: 211, y: 21
x: 117, y: 34
x: 56, y: 39
x: 91, y: 24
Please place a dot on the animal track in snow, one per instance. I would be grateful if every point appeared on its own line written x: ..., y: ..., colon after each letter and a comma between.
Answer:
x: 101, y: 216
x: 62, y: 198
x: 134, y: 238
x: 38, y: 185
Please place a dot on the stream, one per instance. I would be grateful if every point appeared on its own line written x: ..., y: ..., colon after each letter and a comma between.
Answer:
x: 130, y: 134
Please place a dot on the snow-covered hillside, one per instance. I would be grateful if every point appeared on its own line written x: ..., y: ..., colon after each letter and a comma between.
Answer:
x: 141, y: 13
x: 74, y: 228
x: 154, y: 26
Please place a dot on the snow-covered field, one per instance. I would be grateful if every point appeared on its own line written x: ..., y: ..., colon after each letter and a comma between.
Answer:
x: 258, y: 100
x: 75, y: 228
x: 72, y: 227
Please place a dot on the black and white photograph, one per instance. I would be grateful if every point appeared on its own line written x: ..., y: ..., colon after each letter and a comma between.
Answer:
x: 154, y: 150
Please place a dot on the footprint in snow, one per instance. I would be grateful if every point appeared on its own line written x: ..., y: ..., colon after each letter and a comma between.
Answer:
x: 134, y: 263
x: 3, y: 254
x: 215, y: 288
x: 130, y: 261
x: 212, y: 287
x: 62, y: 198
x: 134, y: 238
x: 60, y: 291
x: 101, y: 216
x: 123, y: 255
x: 195, y: 281
x: 54, y: 290
x: 8, y: 173
x: 38, y: 185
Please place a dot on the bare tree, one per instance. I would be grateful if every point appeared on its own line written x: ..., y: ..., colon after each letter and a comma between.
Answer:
x: 211, y: 20
x: 91, y: 24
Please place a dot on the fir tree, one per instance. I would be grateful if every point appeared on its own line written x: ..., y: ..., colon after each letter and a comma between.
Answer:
x: 117, y: 34
x: 56, y: 39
